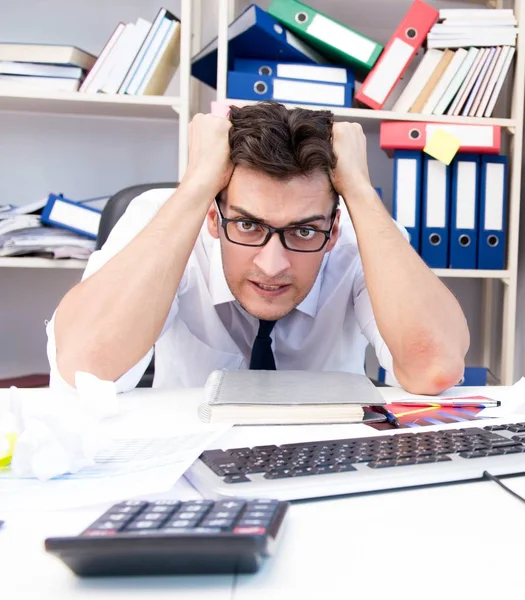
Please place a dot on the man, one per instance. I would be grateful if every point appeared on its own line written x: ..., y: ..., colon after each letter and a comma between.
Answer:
x: 276, y: 260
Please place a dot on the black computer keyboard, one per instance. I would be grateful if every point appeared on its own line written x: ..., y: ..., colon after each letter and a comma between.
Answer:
x: 173, y: 537
x: 323, y: 468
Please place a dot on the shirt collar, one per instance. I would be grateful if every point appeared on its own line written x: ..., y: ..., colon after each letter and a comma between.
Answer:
x: 221, y: 294
x: 219, y: 290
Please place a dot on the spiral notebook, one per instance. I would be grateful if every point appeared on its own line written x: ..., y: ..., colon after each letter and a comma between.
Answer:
x: 289, y: 397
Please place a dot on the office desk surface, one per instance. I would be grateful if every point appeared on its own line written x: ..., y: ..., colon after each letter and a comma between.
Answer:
x: 422, y: 543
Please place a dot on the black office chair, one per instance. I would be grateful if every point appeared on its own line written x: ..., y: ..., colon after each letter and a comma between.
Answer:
x: 115, y: 207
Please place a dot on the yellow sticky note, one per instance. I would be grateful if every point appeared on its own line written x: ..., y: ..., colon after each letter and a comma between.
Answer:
x: 7, y: 446
x: 442, y: 145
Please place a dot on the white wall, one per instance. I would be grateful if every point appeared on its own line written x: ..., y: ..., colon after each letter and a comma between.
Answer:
x: 83, y: 157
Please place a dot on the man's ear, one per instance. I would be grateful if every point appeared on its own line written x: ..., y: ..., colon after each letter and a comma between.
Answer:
x: 335, y: 231
x: 212, y: 220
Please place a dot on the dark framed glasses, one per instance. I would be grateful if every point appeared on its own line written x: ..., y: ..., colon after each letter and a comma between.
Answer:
x: 297, y: 238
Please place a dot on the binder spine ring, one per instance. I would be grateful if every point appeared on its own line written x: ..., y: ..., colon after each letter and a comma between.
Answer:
x: 265, y: 70
x: 301, y: 17
x: 464, y: 240
x: 411, y: 33
x: 414, y: 134
x: 492, y: 241
x: 435, y: 239
x: 260, y: 87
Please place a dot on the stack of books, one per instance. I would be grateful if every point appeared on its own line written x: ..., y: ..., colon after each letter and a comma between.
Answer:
x: 138, y: 59
x: 44, y: 68
x: 467, y: 56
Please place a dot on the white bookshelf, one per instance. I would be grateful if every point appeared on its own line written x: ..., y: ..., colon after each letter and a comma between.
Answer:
x: 114, y: 106
x: 34, y: 262
x: 30, y: 262
x: 370, y: 120
x: 92, y: 105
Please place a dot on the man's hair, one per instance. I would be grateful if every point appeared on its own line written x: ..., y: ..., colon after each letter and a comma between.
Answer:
x: 280, y: 142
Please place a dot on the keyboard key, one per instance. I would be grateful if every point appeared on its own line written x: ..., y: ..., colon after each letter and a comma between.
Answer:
x: 135, y: 503
x: 202, y: 503
x: 229, y: 504
x: 238, y: 478
x: 344, y: 468
x: 258, y: 510
x: 142, y: 525
x: 495, y: 451
x: 278, y: 474
x: 324, y: 469
x: 104, y: 524
x: 177, y: 523
x: 300, y: 472
x: 382, y: 464
x: 194, y: 508
x: 258, y: 514
x: 126, y: 510
x: 250, y: 530
x: 221, y: 523
x: 119, y: 517
x: 477, y: 454
x: 186, y: 515
x: 151, y: 516
x: 163, y: 509
x: 517, y: 428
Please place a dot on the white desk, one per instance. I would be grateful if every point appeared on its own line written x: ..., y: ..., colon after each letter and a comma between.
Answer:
x: 425, y: 543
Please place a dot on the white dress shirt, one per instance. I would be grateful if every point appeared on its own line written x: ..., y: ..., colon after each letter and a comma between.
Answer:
x: 207, y: 329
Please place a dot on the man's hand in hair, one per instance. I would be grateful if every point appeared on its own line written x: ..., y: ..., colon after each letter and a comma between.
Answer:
x: 209, y: 164
x: 350, y: 176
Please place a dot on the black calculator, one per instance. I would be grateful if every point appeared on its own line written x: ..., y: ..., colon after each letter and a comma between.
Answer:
x: 167, y: 537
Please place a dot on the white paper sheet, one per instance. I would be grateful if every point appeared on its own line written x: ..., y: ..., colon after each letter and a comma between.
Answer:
x: 126, y: 467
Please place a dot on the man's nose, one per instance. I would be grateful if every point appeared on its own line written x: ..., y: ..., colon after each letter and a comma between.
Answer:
x: 272, y: 259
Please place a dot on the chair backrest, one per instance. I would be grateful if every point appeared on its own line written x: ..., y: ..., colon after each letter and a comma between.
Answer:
x: 117, y: 204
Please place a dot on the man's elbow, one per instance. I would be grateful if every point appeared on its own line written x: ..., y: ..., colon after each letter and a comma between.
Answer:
x: 433, y: 377
x: 69, y: 363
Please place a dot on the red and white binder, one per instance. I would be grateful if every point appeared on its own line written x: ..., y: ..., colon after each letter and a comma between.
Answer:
x: 400, y: 50
x: 408, y: 135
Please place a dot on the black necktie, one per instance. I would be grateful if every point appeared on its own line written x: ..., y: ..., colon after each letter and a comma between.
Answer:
x: 262, y: 355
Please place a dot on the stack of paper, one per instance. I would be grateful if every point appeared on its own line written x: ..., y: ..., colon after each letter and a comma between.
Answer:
x: 35, y: 239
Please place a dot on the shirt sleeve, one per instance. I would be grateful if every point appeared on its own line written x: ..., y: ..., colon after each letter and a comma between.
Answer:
x: 139, y: 213
x: 366, y: 319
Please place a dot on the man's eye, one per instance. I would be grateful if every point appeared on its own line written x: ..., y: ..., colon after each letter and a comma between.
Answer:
x: 246, y: 226
x: 304, y: 233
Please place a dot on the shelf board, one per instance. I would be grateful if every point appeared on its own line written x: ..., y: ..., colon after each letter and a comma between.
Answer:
x: 33, y: 262
x: 472, y: 273
x: 94, y: 105
x: 371, y: 118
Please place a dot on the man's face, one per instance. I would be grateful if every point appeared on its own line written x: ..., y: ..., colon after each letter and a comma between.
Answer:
x: 270, y: 281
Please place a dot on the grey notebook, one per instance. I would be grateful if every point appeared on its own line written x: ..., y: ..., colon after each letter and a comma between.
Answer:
x: 288, y: 397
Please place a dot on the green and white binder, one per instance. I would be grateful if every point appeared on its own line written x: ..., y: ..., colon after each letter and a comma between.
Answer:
x: 334, y: 40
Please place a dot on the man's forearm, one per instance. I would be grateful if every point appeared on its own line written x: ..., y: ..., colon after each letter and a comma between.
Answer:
x: 417, y: 316
x: 108, y: 322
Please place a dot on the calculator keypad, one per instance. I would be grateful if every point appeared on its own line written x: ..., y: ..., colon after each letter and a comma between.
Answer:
x: 169, y: 517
